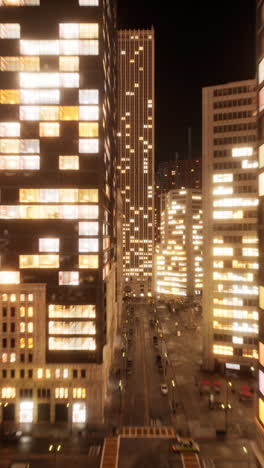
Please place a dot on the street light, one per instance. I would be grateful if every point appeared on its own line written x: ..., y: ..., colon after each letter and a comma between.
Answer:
x: 55, y: 448
x: 245, y: 450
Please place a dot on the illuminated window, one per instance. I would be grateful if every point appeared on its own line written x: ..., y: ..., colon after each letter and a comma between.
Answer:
x: 237, y: 152
x: 88, y: 261
x: 49, y: 129
x: 29, y: 112
x: 89, y: 112
x: 69, y: 31
x: 40, y: 373
x: 225, y: 350
x: 49, y: 212
x: 9, y: 277
x: 30, y: 311
x: 88, y: 229
x: 79, y: 413
x: 69, y: 64
x: 22, y: 343
x: 88, y: 195
x: 71, y: 328
x: 79, y: 393
x: 9, y: 96
x: 61, y: 393
x: 87, y: 129
x: 69, y: 80
x: 49, y: 245
x: 261, y: 410
x: 17, y: 64
x: 88, y: 2
x: 19, y: 3
x: 22, y: 311
x: 47, y: 373
x: 88, y: 245
x: 39, y: 261
x: 30, y: 343
x: 9, y: 30
x: 69, y: 163
x: 222, y: 178
x: 76, y: 31
x: 69, y: 113
x: 75, y: 311
x: 74, y: 344
x: 89, y: 31
x: 88, y: 96
x: 78, y: 47
x: 39, y: 96
x: 9, y: 129
x: 69, y: 278
x: 226, y: 251
x: 65, y: 373
x: 89, y: 145
x: 29, y: 47
x: 22, y: 327
x: 261, y: 353
x: 49, y: 113
x: 8, y: 392
x: 26, y: 411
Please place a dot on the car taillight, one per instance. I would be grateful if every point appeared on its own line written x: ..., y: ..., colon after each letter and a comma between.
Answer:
x: 173, y: 447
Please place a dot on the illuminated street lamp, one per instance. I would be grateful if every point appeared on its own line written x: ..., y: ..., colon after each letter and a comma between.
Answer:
x: 55, y: 448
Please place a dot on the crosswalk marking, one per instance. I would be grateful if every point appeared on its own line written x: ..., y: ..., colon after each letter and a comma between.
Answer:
x: 94, y: 450
x: 190, y: 460
x: 148, y: 431
x: 110, y: 453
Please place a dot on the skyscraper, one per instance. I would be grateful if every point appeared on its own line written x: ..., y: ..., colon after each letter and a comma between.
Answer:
x: 136, y: 153
x: 57, y: 148
x: 230, y: 204
x: 178, y: 266
x: 260, y: 124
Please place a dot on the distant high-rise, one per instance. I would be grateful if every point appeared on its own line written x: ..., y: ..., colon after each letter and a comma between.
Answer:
x: 230, y: 205
x: 57, y: 151
x: 136, y: 154
x: 178, y: 265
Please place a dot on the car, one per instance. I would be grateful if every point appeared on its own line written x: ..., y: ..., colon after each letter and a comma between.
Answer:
x: 158, y: 358
x: 164, y: 389
x: 184, y: 444
x: 155, y: 339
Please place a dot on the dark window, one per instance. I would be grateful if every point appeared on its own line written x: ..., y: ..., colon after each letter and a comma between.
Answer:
x: 12, y: 311
x: 4, y: 327
x: 12, y: 373
x: 13, y: 342
x: 22, y: 373
x: 4, y: 373
x: 4, y: 343
x: 83, y: 373
x: 22, y: 357
x: 13, y: 327
x: 75, y: 373
x: 30, y: 373
x: 30, y: 357
x: 4, y: 311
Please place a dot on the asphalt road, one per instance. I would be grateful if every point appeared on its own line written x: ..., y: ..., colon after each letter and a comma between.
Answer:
x: 143, y: 402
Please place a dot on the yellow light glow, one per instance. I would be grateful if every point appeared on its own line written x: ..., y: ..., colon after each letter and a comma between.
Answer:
x: 9, y: 277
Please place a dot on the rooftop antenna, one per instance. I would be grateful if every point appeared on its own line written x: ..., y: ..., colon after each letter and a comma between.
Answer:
x: 189, y: 142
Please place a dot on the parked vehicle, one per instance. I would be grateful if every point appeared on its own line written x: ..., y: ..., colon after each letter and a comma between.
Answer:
x: 164, y: 389
x: 11, y: 436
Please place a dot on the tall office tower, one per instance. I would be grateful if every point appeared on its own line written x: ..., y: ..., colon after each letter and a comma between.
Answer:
x: 230, y: 204
x: 135, y: 65
x: 260, y: 125
x: 178, y: 265
x: 172, y: 175
x: 57, y: 148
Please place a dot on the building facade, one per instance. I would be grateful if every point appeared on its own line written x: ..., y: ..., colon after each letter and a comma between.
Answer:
x: 259, y: 451
x: 178, y: 265
x: 135, y: 64
x: 230, y: 205
x: 173, y: 175
x: 57, y: 154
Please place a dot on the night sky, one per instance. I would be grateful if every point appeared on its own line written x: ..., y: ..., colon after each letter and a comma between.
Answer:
x: 196, y: 46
